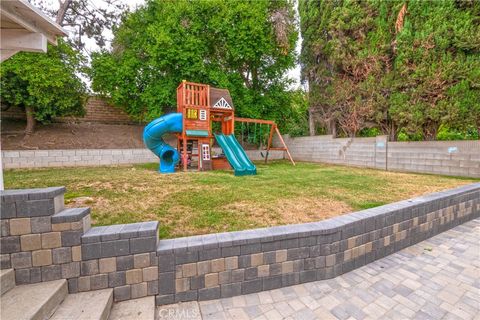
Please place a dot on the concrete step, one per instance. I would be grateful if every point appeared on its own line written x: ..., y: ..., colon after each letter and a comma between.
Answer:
x: 7, y: 280
x: 135, y: 309
x: 92, y: 305
x: 33, y: 301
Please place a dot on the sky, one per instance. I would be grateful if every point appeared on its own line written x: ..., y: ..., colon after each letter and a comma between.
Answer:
x: 91, y: 46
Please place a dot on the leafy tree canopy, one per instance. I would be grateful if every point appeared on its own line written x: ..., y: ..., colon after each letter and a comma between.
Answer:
x: 87, y: 18
x: 45, y: 85
x: 409, y: 67
x: 245, y: 46
x: 49, y: 85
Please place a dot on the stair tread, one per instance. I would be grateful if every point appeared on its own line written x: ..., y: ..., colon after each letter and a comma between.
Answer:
x: 90, y: 305
x: 33, y: 301
x: 7, y: 280
x: 141, y: 309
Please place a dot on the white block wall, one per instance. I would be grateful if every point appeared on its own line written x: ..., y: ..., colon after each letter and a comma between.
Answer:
x: 92, y: 157
x: 75, y: 158
x: 456, y: 158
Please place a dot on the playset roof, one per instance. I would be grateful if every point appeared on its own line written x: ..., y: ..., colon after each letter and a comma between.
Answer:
x: 220, y: 99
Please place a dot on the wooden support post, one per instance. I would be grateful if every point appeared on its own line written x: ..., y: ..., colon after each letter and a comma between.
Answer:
x: 184, y: 154
x: 269, y: 144
x: 185, y: 93
x: 283, y: 142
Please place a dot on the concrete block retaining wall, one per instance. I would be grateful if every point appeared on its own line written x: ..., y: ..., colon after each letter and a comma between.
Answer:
x: 75, y: 158
x: 229, y: 264
x: 92, y: 157
x: 96, y: 110
x: 43, y: 241
x: 457, y: 158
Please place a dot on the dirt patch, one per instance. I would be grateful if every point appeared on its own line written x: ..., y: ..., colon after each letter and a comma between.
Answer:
x: 293, y: 210
x: 71, y: 136
x: 80, y: 201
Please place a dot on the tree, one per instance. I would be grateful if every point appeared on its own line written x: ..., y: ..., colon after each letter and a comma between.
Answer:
x: 49, y: 85
x: 245, y: 46
x: 398, y: 66
x: 88, y: 19
x: 44, y: 85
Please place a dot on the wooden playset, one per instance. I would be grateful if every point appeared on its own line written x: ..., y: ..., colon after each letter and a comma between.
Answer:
x: 204, y: 115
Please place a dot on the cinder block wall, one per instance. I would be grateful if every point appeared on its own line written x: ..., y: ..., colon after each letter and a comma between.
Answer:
x: 96, y: 110
x: 43, y: 241
x: 75, y: 158
x: 345, y: 151
x: 456, y: 158
x: 93, y: 157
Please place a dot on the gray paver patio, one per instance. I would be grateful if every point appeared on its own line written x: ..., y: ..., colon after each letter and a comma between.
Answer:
x: 436, y: 279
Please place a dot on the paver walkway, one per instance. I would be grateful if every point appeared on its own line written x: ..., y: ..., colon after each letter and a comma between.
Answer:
x: 436, y: 279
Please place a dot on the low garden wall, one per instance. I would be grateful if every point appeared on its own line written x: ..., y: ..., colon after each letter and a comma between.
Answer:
x: 75, y: 158
x: 42, y: 241
x: 228, y: 264
x: 456, y: 158
x: 91, y: 157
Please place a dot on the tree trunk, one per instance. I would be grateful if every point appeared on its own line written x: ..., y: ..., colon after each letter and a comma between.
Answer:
x: 332, y: 128
x: 254, y: 78
x: 393, y: 132
x: 311, y: 123
x: 62, y: 11
x: 30, y: 121
x: 430, y: 131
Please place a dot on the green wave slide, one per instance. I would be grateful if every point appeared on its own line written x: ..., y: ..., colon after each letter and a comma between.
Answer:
x: 236, y: 156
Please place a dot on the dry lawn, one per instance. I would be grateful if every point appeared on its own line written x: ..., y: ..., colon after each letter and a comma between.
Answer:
x: 204, y: 202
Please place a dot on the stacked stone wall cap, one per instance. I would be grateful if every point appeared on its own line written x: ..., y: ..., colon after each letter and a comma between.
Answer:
x: 13, y: 195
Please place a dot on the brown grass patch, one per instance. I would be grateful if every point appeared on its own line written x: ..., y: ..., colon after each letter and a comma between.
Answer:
x: 291, y: 210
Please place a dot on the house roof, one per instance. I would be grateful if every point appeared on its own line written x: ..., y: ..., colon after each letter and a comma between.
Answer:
x: 25, y: 28
x: 19, y: 14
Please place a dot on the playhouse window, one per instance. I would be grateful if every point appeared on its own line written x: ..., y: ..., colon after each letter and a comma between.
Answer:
x: 203, y: 114
x: 222, y: 104
x: 205, y: 152
x: 192, y: 114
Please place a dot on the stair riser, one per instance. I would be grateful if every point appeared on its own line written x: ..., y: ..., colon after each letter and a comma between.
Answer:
x: 7, y: 281
x: 135, y: 309
x: 93, y: 305
x: 108, y: 308
x: 47, y: 310
x: 34, y: 301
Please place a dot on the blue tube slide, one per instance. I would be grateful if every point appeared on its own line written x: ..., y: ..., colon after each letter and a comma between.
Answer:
x: 152, y: 137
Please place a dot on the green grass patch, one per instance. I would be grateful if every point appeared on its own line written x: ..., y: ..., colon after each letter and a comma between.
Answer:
x: 188, y: 203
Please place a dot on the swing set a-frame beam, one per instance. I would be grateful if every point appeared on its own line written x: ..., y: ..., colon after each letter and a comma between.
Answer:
x: 273, y: 130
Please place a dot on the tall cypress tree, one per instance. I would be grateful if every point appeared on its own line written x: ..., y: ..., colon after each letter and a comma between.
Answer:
x: 410, y: 67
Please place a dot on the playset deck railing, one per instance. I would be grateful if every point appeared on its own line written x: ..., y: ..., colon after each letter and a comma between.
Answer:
x: 192, y: 94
